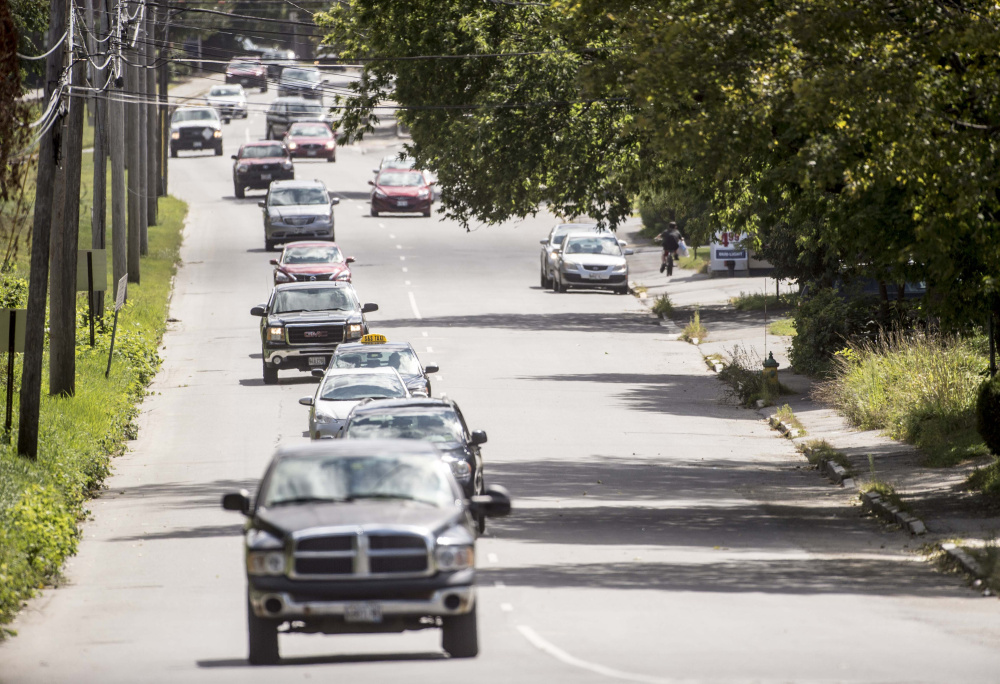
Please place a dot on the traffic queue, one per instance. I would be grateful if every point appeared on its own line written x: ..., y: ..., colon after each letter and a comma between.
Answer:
x: 371, y: 526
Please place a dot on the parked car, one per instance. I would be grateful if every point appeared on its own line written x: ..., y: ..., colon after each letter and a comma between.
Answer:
x: 277, y: 60
x: 311, y: 139
x: 229, y: 100
x: 591, y: 261
x: 302, y: 323
x: 248, y: 72
x: 296, y: 81
x: 550, y: 245
x: 361, y: 536
x: 310, y: 261
x: 258, y: 164
x: 285, y: 111
x: 399, y: 190
x: 195, y: 128
x: 297, y: 210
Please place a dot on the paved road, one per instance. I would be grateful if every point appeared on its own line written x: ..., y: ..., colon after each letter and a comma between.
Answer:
x: 659, y: 535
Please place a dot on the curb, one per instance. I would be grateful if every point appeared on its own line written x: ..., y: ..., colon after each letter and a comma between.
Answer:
x: 967, y: 563
x: 780, y: 426
x: 833, y: 470
x: 873, y: 503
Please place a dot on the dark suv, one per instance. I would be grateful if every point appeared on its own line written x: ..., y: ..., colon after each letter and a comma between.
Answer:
x: 260, y: 163
x: 361, y: 537
x: 307, y: 83
x: 285, y: 111
x: 195, y: 128
x: 302, y: 324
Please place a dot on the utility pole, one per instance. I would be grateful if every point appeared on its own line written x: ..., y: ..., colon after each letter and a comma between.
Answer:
x: 116, y: 150
x: 152, y: 166
x: 65, y: 243
x: 163, y: 129
x: 132, y: 150
x: 141, y: 109
x: 98, y: 217
x: 34, y: 340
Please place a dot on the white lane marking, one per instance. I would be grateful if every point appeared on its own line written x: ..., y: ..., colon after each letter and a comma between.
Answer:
x: 492, y: 557
x: 506, y: 607
x: 499, y: 585
x: 247, y: 134
x: 406, y: 282
x: 391, y: 236
x: 405, y: 270
x: 402, y: 258
x: 425, y: 333
x: 399, y: 246
x: 382, y: 225
x: 562, y: 656
x: 413, y: 305
x: 430, y: 350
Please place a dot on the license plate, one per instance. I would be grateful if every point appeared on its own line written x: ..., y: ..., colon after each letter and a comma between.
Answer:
x: 402, y: 203
x: 317, y: 360
x: 197, y: 144
x: 311, y: 153
x: 363, y: 611
x: 594, y: 276
x: 265, y: 176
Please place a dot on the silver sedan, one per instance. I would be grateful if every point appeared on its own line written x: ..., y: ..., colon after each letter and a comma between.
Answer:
x: 341, y: 389
x: 550, y: 246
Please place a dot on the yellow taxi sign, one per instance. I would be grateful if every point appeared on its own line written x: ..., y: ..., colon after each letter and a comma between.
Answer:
x: 374, y: 338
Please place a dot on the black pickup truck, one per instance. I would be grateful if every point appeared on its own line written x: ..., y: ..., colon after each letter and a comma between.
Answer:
x: 361, y: 537
x: 302, y: 324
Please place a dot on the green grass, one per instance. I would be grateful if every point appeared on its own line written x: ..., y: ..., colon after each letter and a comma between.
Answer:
x: 663, y: 307
x: 784, y: 326
x: 787, y: 416
x: 917, y: 388
x: 986, y: 479
x: 695, y: 331
x: 816, y: 450
x: 756, y: 301
x: 696, y: 260
x: 42, y: 501
x: 743, y: 375
x: 884, y: 489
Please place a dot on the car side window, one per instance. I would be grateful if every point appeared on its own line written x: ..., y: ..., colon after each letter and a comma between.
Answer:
x: 461, y: 419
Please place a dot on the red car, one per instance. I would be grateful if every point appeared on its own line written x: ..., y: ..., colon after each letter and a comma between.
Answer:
x: 400, y: 190
x: 259, y: 163
x: 311, y: 139
x: 311, y: 260
x: 248, y: 73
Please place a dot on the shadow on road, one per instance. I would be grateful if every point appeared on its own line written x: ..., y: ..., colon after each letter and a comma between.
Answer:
x: 325, y: 660
x: 186, y: 495
x: 570, y: 322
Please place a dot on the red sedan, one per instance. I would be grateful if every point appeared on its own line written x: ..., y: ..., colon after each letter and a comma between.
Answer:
x: 399, y: 190
x: 311, y: 139
x: 309, y: 261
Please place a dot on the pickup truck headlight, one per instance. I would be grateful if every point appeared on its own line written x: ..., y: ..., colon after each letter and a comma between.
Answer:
x: 454, y: 557
x: 286, y: 165
x: 275, y: 333
x: 354, y: 330
x: 266, y: 562
x: 621, y: 268
x: 175, y: 135
x: 242, y: 168
x: 217, y: 134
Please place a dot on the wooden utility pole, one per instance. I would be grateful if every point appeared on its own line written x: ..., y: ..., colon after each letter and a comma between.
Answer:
x: 132, y: 128
x: 98, y: 216
x: 116, y: 150
x: 152, y: 166
x: 34, y: 341
x: 163, y: 118
x: 65, y: 243
x: 141, y: 109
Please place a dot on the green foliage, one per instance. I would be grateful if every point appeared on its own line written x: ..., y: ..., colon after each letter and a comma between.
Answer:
x: 986, y: 480
x: 695, y: 331
x: 784, y: 327
x: 918, y: 388
x: 758, y: 301
x: 663, y: 307
x: 745, y: 379
x: 787, y: 416
x: 816, y: 450
x: 988, y: 414
x: 825, y: 323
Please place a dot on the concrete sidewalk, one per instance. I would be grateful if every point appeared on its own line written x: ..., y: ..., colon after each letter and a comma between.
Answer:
x: 935, y: 495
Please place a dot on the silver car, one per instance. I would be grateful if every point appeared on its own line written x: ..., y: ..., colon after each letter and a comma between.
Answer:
x: 297, y: 210
x: 341, y: 389
x: 551, y: 244
x: 593, y: 261
x: 229, y: 100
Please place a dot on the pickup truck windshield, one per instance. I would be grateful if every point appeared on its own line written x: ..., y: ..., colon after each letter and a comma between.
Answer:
x: 194, y: 115
x: 326, y: 299
x: 407, y: 478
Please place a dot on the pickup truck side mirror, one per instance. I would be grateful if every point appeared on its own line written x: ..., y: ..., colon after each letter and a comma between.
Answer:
x: 350, y: 260
x: 334, y: 200
x: 258, y: 310
x: 237, y: 501
x: 543, y: 242
x: 369, y: 307
x: 495, y: 503
x: 628, y: 252
x: 479, y: 437
x: 371, y: 182
x: 261, y: 204
x: 431, y: 368
x: 317, y: 373
x: 306, y: 401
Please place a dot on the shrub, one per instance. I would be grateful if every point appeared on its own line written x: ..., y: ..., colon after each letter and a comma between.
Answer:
x: 695, y: 331
x: 663, y: 307
x: 988, y: 414
x: 656, y: 212
x: 743, y: 374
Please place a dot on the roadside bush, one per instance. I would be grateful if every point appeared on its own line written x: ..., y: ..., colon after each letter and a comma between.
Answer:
x: 917, y: 387
x: 663, y: 307
x: 988, y: 414
x: 745, y: 379
x: 656, y: 211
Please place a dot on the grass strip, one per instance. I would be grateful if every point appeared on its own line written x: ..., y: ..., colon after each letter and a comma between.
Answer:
x: 756, y: 301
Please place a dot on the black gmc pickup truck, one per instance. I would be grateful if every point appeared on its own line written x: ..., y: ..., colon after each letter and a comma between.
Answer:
x: 360, y: 537
x: 302, y: 324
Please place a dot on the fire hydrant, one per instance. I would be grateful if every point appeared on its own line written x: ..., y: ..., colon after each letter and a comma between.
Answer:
x: 771, y: 373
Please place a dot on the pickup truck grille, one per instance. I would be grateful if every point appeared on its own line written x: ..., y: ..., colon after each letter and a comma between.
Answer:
x: 315, y: 334
x: 346, y: 556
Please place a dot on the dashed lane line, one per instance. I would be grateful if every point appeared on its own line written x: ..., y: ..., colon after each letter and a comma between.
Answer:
x: 413, y: 305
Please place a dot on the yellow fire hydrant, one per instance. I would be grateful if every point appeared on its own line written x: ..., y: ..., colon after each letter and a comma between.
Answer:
x: 771, y: 373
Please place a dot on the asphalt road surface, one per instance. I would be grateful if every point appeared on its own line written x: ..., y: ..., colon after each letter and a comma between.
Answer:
x: 659, y: 535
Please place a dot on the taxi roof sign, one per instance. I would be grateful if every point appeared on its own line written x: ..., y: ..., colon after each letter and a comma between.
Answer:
x: 374, y: 338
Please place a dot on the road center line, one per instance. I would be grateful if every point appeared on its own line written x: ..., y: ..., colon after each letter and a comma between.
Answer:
x: 506, y: 607
x: 430, y: 350
x: 564, y: 657
x: 413, y: 305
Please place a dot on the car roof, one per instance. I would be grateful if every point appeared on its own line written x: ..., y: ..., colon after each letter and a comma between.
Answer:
x: 261, y: 143
x: 357, y: 346
x: 194, y: 108
x: 403, y: 404
x: 381, y: 370
x: 314, y: 183
x: 311, y: 243
x: 591, y: 235
x: 298, y: 99
x: 346, y: 448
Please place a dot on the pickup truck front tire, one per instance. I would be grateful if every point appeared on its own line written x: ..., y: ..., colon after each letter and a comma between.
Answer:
x: 460, y: 635
x: 270, y: 374
x: 263, y: 639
